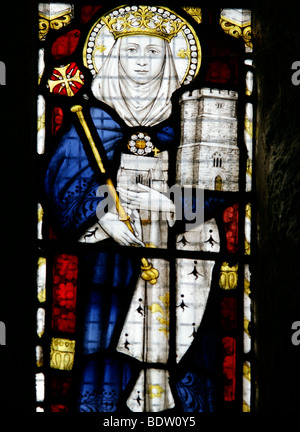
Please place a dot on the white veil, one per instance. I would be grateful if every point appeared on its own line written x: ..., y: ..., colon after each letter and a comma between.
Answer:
x: 137, y: 104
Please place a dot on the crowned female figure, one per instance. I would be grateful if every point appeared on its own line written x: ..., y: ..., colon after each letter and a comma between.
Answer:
x: 138, y: 56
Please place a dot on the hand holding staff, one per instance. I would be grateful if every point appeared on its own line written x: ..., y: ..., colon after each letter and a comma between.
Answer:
x: 149, y: 273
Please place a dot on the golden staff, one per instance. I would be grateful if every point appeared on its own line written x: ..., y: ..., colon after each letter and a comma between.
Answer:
x: 149, y: 273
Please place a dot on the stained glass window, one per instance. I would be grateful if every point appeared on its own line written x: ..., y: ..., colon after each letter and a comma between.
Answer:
x: 145, y: 155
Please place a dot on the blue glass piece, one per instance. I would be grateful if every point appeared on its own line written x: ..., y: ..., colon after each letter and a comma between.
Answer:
x: 195, y: 393
x: 166, y: 135
x: 109, y: 131
x: 102, y: 383
x: 110, y: 278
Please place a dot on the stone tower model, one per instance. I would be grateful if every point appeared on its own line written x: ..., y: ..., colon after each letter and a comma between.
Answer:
x: 208, y: 153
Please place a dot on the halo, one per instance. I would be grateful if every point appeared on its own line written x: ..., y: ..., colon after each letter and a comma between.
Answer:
x: 185, y: 46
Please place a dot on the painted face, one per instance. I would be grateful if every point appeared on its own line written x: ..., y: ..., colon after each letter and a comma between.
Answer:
x: 142, y: 57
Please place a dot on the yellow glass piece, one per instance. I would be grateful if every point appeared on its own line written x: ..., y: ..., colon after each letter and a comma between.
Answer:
x: 249, y: 126
x: 184, y: 53
x: 228, y: 276
x: 155, y: 391
x: 41, y: 276
x: 218, y: 183
x: 62, y: 352
x: 247, y: 371
x: 246, y: 407
x: 246, y: 386
x: 247, y: 287
x: 249, y: 167
x: 140, y: 144
x: 40, y: 214
x: 247, y: 247
x: 41, y: 261
x: 237, y: 30
x: 41, y: 123
x: 156, y: 151
x: 42, y: 295
x: 149, y: 273
x: 164, y: 311
x: 246, y: 326
x: 248, y: 211
x: 54, y: 22
x: 100, y: 48
x: 195, y: 13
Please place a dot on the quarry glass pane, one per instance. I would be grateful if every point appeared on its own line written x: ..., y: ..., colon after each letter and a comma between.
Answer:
x: 142, y: 222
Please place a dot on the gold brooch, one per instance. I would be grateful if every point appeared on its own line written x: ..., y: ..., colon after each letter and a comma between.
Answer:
x: 140, y: 144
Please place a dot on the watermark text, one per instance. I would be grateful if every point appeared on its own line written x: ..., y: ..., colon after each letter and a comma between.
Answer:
x: 296, y: 334
x: 186, y: 204
x: 296, y: 75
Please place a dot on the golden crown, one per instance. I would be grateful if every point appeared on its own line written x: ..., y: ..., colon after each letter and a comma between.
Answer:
x: 145, y: 20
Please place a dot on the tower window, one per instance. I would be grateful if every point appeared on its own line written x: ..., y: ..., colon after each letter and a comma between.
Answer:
x: 217, y: 162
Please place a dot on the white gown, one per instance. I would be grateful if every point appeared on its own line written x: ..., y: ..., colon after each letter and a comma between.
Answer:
x: 145, y: 335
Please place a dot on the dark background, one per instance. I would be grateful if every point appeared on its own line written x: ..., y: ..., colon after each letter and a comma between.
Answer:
x: 276, y: 290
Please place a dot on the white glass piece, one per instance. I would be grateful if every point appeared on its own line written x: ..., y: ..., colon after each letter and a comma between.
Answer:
x: 158, y: 395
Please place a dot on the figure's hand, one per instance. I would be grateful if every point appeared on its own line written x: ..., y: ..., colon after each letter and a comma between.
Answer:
x: 117, y: 229
x: 135, y: 223
x: 146, y: 199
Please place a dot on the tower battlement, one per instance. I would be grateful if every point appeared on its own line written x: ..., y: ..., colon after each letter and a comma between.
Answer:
x: 190, y: 95
x: 220, y: 93
x: 208, y: 92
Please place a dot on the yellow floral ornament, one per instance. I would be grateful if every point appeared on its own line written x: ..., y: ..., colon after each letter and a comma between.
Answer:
x: 163, y: 310
x: 155, y: 391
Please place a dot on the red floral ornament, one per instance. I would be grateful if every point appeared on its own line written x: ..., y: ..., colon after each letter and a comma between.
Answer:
x: 229, y: 368
x: 66, y: 322
x: 65, y: 295
x: 230, y: 219
x: 66, y: 266
x: 65, y: 272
